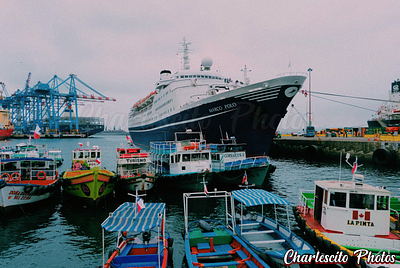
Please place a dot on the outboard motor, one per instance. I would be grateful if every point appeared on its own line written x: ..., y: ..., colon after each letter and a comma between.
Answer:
x: 146, y: 237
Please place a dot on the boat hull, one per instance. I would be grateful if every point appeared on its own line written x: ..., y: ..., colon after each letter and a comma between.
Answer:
x: 187, y: 182
x: 13, y: 195
x: 141, y: 183
x: 91, y: 186
x: 6, y: 133
x: 251, y: 115
x: 255, y: 175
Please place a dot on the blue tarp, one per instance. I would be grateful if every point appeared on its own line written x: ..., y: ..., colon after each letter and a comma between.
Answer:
x: 124, y: 219
x: 255, y: 197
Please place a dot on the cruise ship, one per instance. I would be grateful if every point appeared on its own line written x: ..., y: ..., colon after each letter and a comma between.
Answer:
x: 205, y: 100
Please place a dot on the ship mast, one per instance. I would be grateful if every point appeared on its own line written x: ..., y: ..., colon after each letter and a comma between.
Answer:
x: 186, y: 52
x: 246, y: 78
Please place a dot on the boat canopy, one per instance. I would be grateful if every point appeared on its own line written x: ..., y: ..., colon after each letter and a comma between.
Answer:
x: 256, y: 197
x: 124, y: 219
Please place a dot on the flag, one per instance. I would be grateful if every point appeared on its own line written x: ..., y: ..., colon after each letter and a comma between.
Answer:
x: 227, y: 137
x: 36, y: 134
x: 30, y: 138
x: 354, y: 167
x: 140, y: 204
x: 205, y: 188
x: 80, y: 144
x: 129, y: 138
x: 98, y: 160
x: 244, y: 177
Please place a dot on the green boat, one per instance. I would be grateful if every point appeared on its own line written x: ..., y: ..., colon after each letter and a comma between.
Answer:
x: 86, y: 179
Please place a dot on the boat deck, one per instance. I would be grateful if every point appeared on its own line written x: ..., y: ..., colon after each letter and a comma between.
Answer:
x: 218, y: 249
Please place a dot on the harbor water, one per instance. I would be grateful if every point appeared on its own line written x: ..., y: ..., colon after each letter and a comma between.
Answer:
x: 63, y: 233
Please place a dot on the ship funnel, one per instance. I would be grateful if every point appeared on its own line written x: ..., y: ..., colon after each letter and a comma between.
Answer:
x: 206, y: 63
x: 165, y: 74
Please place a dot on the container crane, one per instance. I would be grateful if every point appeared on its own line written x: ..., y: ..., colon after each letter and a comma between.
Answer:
x: 44, y: 104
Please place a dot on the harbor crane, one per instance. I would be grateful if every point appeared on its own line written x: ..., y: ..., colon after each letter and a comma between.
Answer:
x: 45, y: 103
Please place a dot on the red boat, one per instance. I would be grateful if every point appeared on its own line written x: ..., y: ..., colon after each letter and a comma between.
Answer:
x: 6, y: 126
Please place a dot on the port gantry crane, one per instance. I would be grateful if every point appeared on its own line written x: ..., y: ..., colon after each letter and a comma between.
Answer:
x: 45, y: 103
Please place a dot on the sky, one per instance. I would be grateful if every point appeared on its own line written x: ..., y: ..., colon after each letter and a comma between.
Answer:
x: 119, y: 48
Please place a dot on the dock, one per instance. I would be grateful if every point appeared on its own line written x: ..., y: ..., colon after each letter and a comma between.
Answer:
x: 52, y: 136
x: 381, y: 151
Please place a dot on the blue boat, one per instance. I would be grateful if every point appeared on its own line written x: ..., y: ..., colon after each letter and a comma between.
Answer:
x: 211, y: 243
x: 142, y: 238
x: 266, y: 236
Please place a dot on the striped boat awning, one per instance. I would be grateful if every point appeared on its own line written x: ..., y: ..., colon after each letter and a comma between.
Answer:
x: 255, y: 197
x: 124, y: 219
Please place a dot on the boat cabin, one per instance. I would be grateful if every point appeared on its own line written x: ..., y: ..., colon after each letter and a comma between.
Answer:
x: 352, y: 207
x: 86, y: 158
x: 190, y: 161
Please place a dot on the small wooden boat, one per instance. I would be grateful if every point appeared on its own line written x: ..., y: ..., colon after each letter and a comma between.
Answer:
x: 267, y: 237
x: 133, y: 170
x: 352, y: 216
x: 86, y: 179
x: 142, y: 237
x: 25, y: 181
x: 230, y: 164
x: 183, y: 163
x: 211, y: 243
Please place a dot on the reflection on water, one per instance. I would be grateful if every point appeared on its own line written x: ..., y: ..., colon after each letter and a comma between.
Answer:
x: 63, y: 233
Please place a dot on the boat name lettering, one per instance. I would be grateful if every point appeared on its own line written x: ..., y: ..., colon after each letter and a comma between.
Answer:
x: 234, y: 155
x: 360, y: 223
x: 292, y: 257
x: 17, y: 193
x: 225, y: 107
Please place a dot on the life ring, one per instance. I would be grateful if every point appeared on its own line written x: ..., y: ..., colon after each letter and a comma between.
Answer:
x: 17, y: 178
x: 39, y: 177
x: 7, y: 176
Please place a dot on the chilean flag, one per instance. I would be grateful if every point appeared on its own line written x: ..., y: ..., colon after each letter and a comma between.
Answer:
x: 98, y: 161
x: 354, y: 167
x: 140, y: 204
x: 244, y: 177
x: 80, y: 144
x: 129, y: 139
x: 205, y: 189
x: 36, y: 134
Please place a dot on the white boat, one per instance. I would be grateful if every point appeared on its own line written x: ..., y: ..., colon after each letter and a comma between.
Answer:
x: 133, y: 170
x: 269, y: 238
x: 183, y: 163
x: 206, y: 100
x: 351, y: 216
x: 230, y: 164
x: 212, y: 243
x: 26, y: 180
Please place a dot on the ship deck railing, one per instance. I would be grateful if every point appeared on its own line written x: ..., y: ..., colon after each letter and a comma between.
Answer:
x: 247, y: 163
x: 306, y: 200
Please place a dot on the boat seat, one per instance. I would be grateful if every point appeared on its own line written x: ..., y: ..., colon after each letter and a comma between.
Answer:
x: 243, y: 256
x: 258, y: 232
x: 203, y: 246
x: 136, y: 258
x: 268, y: 241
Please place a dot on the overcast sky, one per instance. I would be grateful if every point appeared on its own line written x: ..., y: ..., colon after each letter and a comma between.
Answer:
x: 119, y: 47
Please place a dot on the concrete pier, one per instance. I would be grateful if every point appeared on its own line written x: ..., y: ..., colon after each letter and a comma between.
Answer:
x: 376, y: 151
